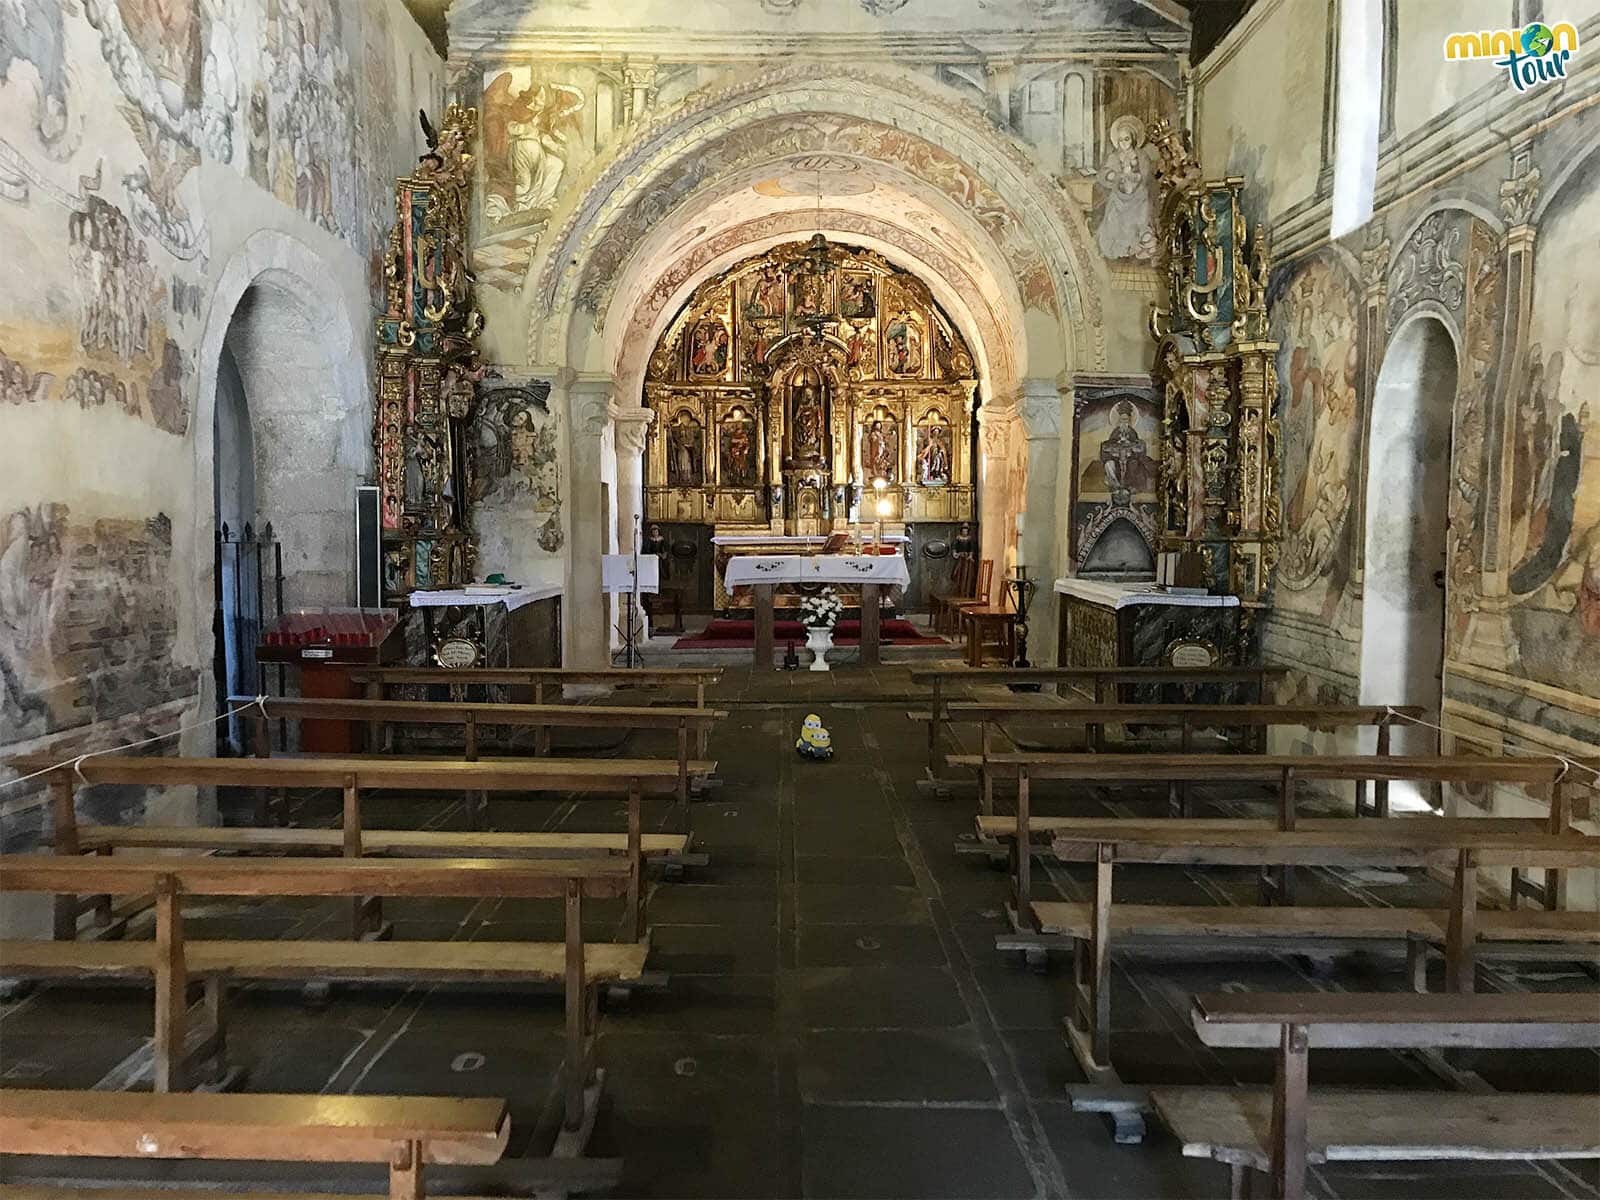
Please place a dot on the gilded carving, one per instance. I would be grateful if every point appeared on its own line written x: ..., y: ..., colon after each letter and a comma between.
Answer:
x: 428, y: 369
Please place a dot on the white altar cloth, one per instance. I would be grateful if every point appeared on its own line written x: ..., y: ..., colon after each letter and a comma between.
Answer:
x: 747, y: 569
x: 616, y: 573
x: 1121, y: 595
x: 513, y: 600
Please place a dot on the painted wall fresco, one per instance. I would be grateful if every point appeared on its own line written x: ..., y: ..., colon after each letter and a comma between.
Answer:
x: 1117, y: 441
x: 109, y: 112
x: 87, y: 620
x: 1315, y: 310
x: 1555, y: 498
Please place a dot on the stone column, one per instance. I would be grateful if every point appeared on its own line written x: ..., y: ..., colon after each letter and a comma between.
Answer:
x: 585, y: 628
x: 1042, y: 505
x: 629, y: 428
x: 1000, y: 484
x: 1490, y: 640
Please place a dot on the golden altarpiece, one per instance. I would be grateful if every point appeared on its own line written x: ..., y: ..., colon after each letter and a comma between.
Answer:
x: 796, y: 391
x: 1217, y: 523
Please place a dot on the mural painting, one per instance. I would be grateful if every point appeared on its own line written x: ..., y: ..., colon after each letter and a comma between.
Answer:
x: 87, y: 619
x: 1127, y: 183
x: 1555, y: 507
x: 1116, y: 476
x: 1315, y: 320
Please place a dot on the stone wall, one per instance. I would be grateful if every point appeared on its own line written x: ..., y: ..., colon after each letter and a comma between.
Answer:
x: 1487, y: 202
x: 164, y: 169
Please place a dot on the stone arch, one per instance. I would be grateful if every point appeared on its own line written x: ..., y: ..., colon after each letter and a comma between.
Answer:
x: 910, y: 123
x: 303, y: 370
x: 1406, y: 539
x: 1572, y: 166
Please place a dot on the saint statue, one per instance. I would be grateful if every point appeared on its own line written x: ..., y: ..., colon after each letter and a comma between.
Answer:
x: 807, y: 417
x: 933, y: 456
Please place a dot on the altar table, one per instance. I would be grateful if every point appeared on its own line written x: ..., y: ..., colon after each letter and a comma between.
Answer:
x: 763, y: 572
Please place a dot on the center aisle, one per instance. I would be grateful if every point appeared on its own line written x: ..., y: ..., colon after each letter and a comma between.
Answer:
x: 838, y: 1022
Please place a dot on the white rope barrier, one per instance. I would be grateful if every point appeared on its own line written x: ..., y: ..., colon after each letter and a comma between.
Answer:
x: 1568, y: 765
x: 260, y: 703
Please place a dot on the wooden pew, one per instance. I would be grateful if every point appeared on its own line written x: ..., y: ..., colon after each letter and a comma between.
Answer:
x: 1187, y: 718
x: 1453, y: 845
x: 544, y: 682
x: 473, y: 716
x: 172, y: 961
x: 1283, y: 1132
x: 1097, y: 682
x: 634, y: 778
x: 1283, y: 772
x: 403, y: 1133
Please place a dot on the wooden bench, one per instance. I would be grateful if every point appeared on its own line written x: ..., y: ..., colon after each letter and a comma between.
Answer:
x: 1284, y: 1131
x: 1284, y: 773
x: 403, y: 1133
x: 633, y: 778
x: 378, y: 715
x: 542, y: 682
x: 1453, y: 845
x: 172, y: 961
x: 1097, y: 682
x: 1188, y: 719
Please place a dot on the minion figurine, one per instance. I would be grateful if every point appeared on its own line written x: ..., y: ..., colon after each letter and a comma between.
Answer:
x: 813, y: 741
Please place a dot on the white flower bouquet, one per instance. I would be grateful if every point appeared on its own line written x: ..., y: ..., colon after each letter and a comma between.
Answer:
x: 822, y: 610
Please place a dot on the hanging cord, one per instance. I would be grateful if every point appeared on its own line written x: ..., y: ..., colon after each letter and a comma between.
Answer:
x: 1568, y: 765
x: 76, y: 763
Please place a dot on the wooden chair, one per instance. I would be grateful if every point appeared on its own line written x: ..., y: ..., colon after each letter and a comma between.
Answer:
x: 961, y: 581
x: 1284, y: 1131
x: 402, y: 1133
x: 979, y: 598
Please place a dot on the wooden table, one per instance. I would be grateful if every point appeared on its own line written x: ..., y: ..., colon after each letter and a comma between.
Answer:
x: 978, y: 619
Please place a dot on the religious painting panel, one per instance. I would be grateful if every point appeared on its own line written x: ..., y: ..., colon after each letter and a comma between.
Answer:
x: 810, y: 293
x: 858, y: 296
x: 764, y: 294
x: 738, y: 450
x: 1554, y: 539
x: 1116, y: 456
x: 1316, y: 321
x: 860, y: 350
x: 904, y: 344
x: 708, y: 349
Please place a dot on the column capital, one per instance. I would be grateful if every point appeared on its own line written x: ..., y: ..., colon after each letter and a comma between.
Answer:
x: 1519, y: 197
x: 590, y: 397
x: 1040, y: 408
x: 630, y: 424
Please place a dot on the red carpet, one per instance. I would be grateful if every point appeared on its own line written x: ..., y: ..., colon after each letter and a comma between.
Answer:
x: 737, y: 635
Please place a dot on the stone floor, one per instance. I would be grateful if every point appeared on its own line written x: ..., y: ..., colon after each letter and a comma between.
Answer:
x: 837, y: 1022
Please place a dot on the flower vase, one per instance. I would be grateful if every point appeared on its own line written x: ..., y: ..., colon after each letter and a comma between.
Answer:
x: 819, y: 640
